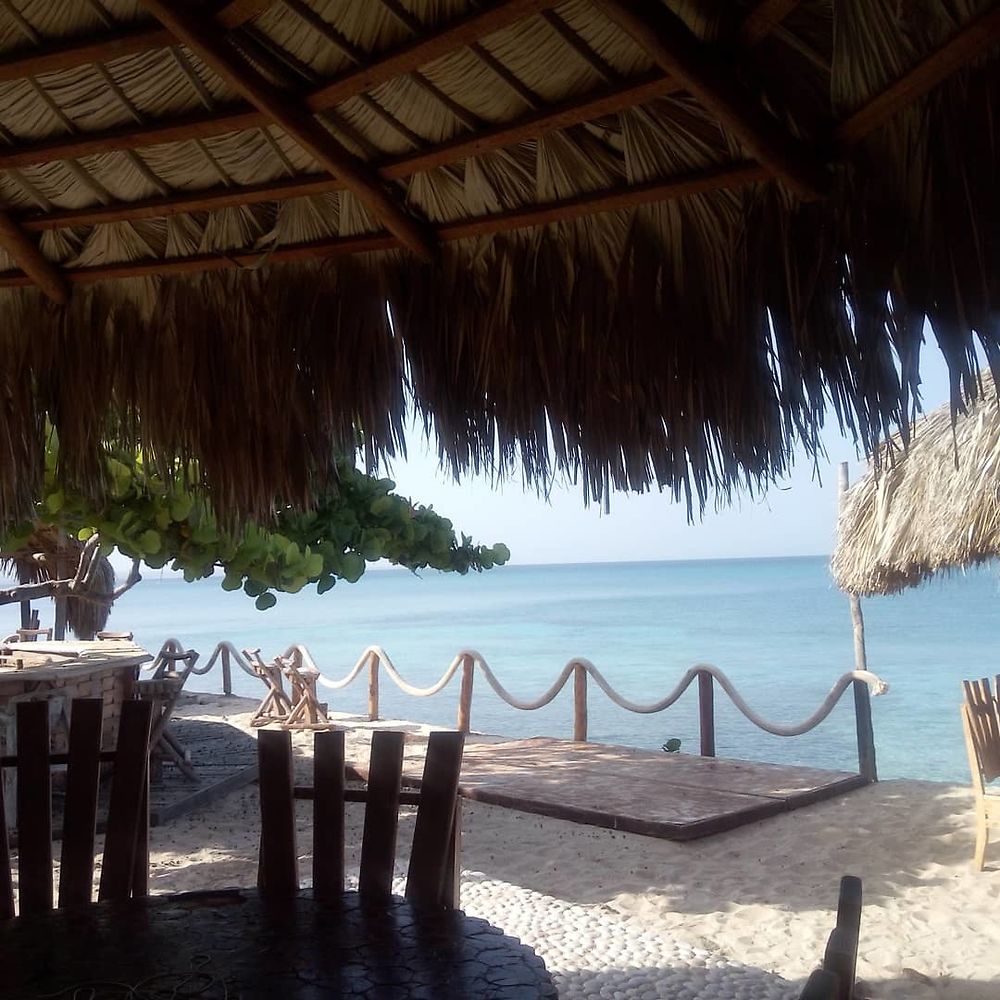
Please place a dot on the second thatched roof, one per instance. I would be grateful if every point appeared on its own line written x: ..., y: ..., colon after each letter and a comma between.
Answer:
x: 932, y: 508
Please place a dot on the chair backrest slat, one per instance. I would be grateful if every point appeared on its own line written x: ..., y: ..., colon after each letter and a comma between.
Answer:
x: 83, y: 774
x: 6, y: 879
x: 430, y: 857
x: 821, y: 985
x: 982, y: 711
x: 378, y: 845
x: 839, y: 958
x: 328, y: 814
x: 128, y: 795
x: 34, y: 808
x: 278, y: 873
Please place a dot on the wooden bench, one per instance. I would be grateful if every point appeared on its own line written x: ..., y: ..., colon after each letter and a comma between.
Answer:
x: 981, y: 723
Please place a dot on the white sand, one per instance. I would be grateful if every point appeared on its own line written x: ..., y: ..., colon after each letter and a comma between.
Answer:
x: 619, y: 915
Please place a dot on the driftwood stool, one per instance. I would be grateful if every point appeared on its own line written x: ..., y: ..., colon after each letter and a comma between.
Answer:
x: 275, y: 706
x: 307, y: 711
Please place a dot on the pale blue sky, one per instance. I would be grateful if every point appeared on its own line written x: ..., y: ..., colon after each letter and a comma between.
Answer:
x: 796, y: 518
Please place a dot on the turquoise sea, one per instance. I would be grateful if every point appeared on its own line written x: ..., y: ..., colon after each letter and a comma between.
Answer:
x: 778, y: 627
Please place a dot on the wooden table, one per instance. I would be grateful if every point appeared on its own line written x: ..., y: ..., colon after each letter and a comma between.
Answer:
x: 232, y: 945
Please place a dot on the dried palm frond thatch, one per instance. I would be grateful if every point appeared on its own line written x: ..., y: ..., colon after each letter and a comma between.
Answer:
x: 49, y: 554
x: 934, y: 507
x: 645, y: 244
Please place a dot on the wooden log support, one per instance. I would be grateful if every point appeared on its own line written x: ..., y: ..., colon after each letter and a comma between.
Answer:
x: 764, y: 18
x: 227, y: 672
x: 372, y: 688
x: 676, y: 51
x: 206, y: 40
x: 862, y: 697
x: 465, y: 695
x: 29, y: 258
x: 706, y: 713
x: 580, y: 720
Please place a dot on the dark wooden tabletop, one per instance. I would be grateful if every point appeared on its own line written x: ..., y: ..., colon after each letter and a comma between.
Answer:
x: 233, y: 945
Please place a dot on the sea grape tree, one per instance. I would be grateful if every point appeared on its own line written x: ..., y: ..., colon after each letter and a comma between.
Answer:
x: 165, y: 522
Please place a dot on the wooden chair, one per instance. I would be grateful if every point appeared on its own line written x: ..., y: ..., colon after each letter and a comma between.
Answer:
x: 124, y: 870
x: 981, y: 722
x: 835, y: 980
x: 432, y: 877
x: 162, y: 690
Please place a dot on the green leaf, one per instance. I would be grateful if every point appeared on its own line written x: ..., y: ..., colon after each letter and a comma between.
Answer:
x: 150, y: 542
x: 325, y: 583
x: 265, y: 601
x: 180, y: 506
x: 54, y: 502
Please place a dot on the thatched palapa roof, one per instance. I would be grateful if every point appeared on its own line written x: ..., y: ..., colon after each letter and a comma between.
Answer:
x: 933, y: 507
x: 644, y: 242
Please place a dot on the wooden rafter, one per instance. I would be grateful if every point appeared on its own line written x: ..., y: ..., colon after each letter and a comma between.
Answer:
x: 593, y: 105
x: 51, y: 58
x: 676, y: 51
x: 29, y: 258
x: 207, y: 42
x: 978, y: 36
x: 698, y: 182
x: 764, y: 18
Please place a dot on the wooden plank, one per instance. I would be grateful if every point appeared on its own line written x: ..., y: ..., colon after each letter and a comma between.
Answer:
x: 6, y: 879
x: 204, y: 38
x: 594, y: 105
x: 426, y: 49
x: 821, y: 985
x: 76, y: 869
x: 678, y: 52
x: 129, y: 780
x: 30, y: 259
x: 764, y: 18
x: 34, y: 808
x: 328, y: 814
x: 208, y: 791
x: 104, y: 48
x: 980, y: 35
x: 378, y: 844
x: 279, y: 874
x: 140, y: 863
x: 430, y: 854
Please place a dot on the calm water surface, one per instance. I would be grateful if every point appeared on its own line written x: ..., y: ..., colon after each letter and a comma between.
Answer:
x: 778, y: 627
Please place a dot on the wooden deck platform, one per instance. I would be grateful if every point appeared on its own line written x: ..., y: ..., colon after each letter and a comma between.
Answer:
x: 672, y: 796
x: 224, y: 758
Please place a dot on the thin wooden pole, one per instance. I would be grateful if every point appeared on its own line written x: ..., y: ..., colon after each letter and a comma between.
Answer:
x: 227, y: 672
x: 372, y: 688
x: 465, y: 695
x: 580, y: 703
x: 862, y: 698
x: 706, y: 713
x: 62, y: 571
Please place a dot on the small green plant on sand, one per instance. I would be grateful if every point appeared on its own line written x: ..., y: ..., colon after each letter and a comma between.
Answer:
x: 672, y: 745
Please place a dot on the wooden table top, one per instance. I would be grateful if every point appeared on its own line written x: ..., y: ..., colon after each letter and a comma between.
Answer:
x: 232, y: 944
x: 52, y: 660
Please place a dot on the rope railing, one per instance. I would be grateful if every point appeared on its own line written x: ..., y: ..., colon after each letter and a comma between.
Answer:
x: 469, y: 661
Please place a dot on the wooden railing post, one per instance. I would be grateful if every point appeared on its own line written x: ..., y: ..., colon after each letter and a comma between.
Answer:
x: 580, y: 703
x: 862, y: 698
x: 227, y: 673
x: 706, y: 713
x: 372, y: 688
x: 465, y: 695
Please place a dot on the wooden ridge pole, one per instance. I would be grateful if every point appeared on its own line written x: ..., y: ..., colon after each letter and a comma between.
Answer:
x: 30, y: 259
x: 862, y: 697
x: 207, y: 41
x: 693, y: 65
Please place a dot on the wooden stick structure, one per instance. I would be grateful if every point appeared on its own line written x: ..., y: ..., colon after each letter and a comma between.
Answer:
x: 307, y: 711
x: 275, y: 706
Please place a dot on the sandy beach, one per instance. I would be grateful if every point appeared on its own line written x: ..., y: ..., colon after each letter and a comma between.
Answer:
x: 742, y: 914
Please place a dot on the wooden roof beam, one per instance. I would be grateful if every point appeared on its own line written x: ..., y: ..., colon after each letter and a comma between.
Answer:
x: 605, y: 101
x: 206, y: 40
x: 977, y: 37
x: 764, y: 18
x: 618, y: 199
x: 115, y: 44
x: 29, y: 258
x: 693, y: 64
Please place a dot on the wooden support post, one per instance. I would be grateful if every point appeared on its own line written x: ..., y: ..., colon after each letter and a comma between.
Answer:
x: 580, y: 703
x: 62, y: 572
x: 465, y: 695
x: 372, y: 688
x: 706, y: 713
x: 227, y: 673
x: 25, y: 614
x: 862, y: 698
